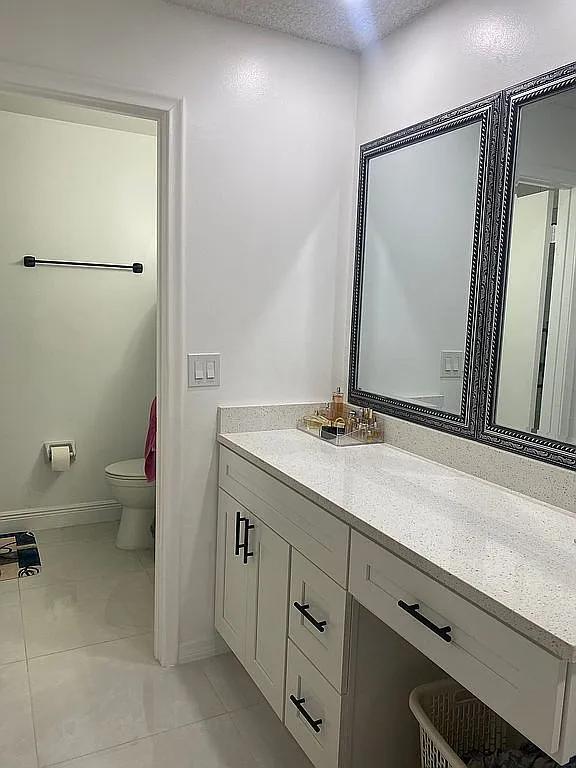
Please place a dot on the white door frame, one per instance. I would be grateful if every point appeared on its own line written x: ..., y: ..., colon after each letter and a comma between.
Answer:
x: 169, y: 115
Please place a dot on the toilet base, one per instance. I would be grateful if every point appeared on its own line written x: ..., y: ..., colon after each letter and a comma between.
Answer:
x: 134, y: 530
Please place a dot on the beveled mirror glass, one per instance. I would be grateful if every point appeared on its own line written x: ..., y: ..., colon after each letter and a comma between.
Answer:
x: 420, y: 227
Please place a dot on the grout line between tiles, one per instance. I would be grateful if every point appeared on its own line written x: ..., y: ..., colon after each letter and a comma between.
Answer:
x: 224, y: 715
x: 91, y: 645
x: 28, y: 677
x: 244, y: 740
x: 109, y: 575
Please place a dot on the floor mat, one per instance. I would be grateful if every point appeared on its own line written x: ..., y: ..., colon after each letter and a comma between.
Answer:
x: 19, y: 556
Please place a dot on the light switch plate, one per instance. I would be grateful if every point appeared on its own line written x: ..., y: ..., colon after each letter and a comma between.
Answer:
x: 451, y: 364
x: 204, y: 370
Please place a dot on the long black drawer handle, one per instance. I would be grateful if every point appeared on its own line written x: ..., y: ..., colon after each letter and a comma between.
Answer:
x: 443, y: 632
x: 245, y: 546
x: 298, y: 703
x: 319, y: 625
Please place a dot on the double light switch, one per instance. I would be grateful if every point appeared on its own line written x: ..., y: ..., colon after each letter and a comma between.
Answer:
x: 204, y: 370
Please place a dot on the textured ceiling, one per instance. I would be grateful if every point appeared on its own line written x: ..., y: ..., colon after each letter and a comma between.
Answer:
x: 351, y: 24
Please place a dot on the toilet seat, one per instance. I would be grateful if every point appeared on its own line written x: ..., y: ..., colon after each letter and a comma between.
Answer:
x: 132, y: 469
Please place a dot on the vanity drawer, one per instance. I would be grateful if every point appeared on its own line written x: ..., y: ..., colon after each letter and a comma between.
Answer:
x: 313, y: 710
x: 516, y: 678
x: 316, y: 533
x: 318, y: 611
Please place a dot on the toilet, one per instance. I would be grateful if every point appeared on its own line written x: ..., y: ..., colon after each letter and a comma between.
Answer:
x: 137, y: 496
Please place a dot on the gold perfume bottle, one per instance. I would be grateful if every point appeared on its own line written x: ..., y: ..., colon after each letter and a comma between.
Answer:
x: 337, y: 407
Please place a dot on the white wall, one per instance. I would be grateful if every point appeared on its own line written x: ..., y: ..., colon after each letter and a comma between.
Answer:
x: 77, y: 345
x: 418, y: 255
x: 270, y: 125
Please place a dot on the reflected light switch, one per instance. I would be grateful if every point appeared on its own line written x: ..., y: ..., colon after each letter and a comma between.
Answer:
x: 451, y: 364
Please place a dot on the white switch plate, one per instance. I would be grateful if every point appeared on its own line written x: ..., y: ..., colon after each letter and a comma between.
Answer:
x: 204, y: 370
x: 451, y: 364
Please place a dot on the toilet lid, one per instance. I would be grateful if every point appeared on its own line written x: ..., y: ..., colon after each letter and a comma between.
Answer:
x: 132, y: 468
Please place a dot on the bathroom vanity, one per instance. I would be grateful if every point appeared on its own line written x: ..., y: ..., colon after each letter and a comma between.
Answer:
x: 462, y: 321
x: 478, y: 579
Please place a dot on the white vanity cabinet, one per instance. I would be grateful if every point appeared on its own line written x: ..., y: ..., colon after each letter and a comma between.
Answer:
x: 252, y: 581
x: 290, y: 580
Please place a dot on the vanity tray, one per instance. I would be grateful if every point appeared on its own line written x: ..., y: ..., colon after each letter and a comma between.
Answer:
x: 340, y: 438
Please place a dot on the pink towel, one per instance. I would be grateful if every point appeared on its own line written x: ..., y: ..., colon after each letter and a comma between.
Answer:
x: 150, y: 448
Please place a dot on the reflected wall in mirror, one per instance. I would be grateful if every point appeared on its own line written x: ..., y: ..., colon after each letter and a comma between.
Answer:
x: 534, y: 372
x: 421, y: 215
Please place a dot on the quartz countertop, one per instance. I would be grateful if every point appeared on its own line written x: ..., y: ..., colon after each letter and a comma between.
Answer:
x: 511, y: 555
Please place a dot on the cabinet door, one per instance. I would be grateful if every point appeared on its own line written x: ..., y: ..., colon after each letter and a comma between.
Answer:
x: 231, y: 574
x: 267, y: 614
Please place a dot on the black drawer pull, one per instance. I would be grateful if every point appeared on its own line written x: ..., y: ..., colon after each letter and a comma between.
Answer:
x: 319, y: 625
x: 298, y: 703
x: 443, y: 632
x: 245, y: 546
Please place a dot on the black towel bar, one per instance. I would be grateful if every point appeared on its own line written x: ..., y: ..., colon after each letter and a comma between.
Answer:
x: 32, y: 261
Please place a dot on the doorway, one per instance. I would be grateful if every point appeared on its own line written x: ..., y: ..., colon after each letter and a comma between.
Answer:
x: 105, y: 105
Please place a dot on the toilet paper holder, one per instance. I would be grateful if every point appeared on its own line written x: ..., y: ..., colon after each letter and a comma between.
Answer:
x: 70, y: 444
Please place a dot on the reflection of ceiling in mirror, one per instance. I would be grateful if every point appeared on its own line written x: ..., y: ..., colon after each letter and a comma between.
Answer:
x: 567, y: 100
x: 546, y: 155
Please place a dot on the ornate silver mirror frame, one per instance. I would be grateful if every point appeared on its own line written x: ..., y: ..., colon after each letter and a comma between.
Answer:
x: 486, y: 112
x: 522, y: 442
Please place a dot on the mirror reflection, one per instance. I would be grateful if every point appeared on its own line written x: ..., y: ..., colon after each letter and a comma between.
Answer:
x: 536, y: 378
x: 418, y: 247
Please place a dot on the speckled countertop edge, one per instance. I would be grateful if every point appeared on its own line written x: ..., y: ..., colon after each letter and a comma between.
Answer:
x: 516, y: 621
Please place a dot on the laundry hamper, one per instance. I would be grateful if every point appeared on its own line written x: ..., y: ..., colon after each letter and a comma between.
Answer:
x: 453, y: 722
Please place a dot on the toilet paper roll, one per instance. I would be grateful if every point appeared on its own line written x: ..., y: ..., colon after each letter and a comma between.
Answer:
x: 60, y: 458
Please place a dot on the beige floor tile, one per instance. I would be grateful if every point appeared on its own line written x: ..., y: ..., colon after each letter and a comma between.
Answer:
x: 71, y: 615
x: 8, y: 588
x: 146, y: 557
x: 269, y: 741
x: 75, y: 561
x: 104, y: 695
x: 17, y: 748
x: 213, y: 743
x: 231, y: 681
x: 12, y: 646
x: 90, y: 532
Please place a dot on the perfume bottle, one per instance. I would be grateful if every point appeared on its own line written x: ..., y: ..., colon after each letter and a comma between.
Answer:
x: 337, y: 407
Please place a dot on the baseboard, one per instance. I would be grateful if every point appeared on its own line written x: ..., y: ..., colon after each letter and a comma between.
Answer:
x: 42, y: 518
x: 195, y: 650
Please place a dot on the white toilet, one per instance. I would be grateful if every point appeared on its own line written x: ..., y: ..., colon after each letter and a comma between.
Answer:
x: 137, y: 496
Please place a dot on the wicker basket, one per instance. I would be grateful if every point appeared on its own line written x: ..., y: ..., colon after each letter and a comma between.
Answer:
x: 453, y: 722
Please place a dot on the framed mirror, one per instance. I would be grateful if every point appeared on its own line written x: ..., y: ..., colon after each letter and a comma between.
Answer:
x: 530, y: 384
x: 422, y: 223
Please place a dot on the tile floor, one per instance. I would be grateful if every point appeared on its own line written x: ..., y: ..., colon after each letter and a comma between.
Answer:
x: 79, y: 687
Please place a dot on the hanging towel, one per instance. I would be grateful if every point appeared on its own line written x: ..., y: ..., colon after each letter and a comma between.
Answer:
x: 150, y: 448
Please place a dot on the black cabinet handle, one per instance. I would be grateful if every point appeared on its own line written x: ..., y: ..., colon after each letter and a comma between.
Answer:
x: 298, y: 703
x: 237, y: 536
x: 442, y: 632
x: 245, y: 545
x: 240, y: 519
x: 319, y: 625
